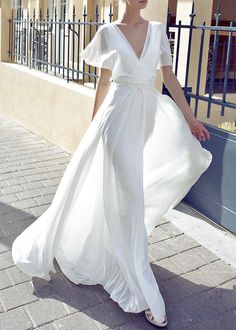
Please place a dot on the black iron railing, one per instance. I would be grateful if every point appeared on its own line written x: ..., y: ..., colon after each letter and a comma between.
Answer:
x: 53, y: 45
x: 221, y: 71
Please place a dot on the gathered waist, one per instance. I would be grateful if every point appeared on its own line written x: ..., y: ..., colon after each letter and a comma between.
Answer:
x: 134, y: 83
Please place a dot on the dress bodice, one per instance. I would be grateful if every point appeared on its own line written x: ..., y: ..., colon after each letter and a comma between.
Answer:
x: 110, y: 49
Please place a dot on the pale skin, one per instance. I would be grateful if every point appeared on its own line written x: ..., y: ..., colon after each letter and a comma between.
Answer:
x: 134, y: 28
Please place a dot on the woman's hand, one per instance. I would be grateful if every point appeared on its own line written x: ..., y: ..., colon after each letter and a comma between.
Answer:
x: 175, y: 89
x: 197, y: 129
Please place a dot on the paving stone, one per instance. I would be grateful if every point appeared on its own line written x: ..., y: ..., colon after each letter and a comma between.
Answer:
x: 219, y: 271
x: 165, y: 269
x: 47, y: 199
x: 205, y: 253
x: 37, y: 177
x: 182, y: 243
x: 38, y: 210
x: 17, y: 276
x: 174, y: 290
x: 179, y: 318
x: 225, y: 296
x: 18, y: 295
x: 5, y: 176
x: 1, y: 232
x: 109, y: 314
x: 6, y: 260
x: 48, y: 190
x: 55, y: 174
x: 16, y: 319
x: 3, y: 184
x: 9, y: 169
x: 25, y: 203
x: 162, y: 221
x: 79, y: 298
x: 161, y: 250
x: 5, y: 209
x: 171, y: 229
x: 49, y: 326
x: 138, y: 323
x: 16, y: 215
x: 11, y: 189
x: 159, y: 235
x: 215, y: 323
x: 29, y: 193
x: 32, y: 185
x: 6, y: 244
x: 188, y: 260
x: 196, y: 281
x: 52, y: 182
x: 204, y: 305
x: 100, y: 292
x: 45, y: 310
x: 8, y: 198
x: 4, y: 280
x: 15, y: 228
x: 76, y: 321
x: 56, y: 286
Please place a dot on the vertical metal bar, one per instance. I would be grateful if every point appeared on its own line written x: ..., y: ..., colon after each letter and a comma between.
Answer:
x: 12, y: 33
x: 30, y: 41
x: 222, y: 63
x: 9, y: 39
x: 39, y: 40
x: 84, y: 38
x: 43, y: 44
x: 59, y: 45
x: 27, y: 40
x: 24, y: 40
x: 68, y: 52
x: 73, y: 46
x: 199, y: 68
x: 110, y: 12
x: 192, y: 15
x: 78, y: 49
x: 90, y: 37
x: 178, y: 47
x: 13, y: 38
x: 37, y: 44
x: 213, y: 66
x: 55, y: 41
x: 51, y: 43
x: 227, y: 69
x: 64, y: 41
x: 21, y: 37
x: 47, y: 50
x: 95, y: 68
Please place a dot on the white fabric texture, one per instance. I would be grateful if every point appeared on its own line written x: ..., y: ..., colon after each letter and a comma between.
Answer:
x: 136, y: 160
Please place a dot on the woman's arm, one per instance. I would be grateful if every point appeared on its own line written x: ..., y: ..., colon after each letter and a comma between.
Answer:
x: 172, y: 84
x: 102, y: 88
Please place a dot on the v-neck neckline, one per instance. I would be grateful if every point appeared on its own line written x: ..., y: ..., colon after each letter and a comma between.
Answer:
x: 128, y: 43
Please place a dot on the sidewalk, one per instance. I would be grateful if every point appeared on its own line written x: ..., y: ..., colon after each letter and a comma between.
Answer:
x: 198, y: 287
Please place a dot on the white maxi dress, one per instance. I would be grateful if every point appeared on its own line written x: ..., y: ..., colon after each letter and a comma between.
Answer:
x: 136, y: 160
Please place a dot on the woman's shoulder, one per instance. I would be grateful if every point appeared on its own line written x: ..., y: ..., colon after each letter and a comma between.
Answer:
x: 107, y: 26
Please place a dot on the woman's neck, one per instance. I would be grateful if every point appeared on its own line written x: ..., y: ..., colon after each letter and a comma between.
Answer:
x: 131, y: 16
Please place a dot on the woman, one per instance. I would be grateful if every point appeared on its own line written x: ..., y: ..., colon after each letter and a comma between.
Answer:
x: 138, y: 158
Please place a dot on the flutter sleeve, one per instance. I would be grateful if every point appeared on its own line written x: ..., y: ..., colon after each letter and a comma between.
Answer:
x: 165, y: 51
x: 98, y: 52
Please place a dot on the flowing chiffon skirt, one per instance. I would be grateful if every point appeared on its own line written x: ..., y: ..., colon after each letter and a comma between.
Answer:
x: 134, y: 163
